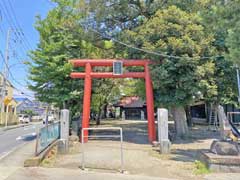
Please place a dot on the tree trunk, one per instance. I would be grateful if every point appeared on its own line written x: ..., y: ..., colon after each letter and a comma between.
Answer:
x: 189, y: 117
x: 98, y: 120
x: 64, y: 105
x: 180, y: 121
x: 105, y: 110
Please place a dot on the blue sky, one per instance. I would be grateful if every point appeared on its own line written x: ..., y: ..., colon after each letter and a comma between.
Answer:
x: 19, y: 16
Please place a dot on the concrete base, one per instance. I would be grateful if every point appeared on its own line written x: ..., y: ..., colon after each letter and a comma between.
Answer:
x: 219, y: 163
x: 165, y: 147
x: 63, y: 146
x: 33, y: 161
x: 36, y: 160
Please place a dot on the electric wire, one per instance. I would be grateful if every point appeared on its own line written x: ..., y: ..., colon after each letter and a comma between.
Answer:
x: 23, y: 48
x: 12, y: 77
x: 8, y: 14
x: 107, y: 36
x: 18, y: 24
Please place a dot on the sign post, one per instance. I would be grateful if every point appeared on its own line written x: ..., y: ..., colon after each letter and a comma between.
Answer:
x: 163, y: 131
x: 64, y: 131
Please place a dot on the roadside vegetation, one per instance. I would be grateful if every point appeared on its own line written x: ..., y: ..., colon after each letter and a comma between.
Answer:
x: 201, y: 168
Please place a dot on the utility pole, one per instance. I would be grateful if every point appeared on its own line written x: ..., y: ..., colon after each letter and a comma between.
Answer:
x: 5, y: 77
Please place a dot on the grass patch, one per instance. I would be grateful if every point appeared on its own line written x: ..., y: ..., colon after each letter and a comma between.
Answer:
x: 200, y: 168
x: 156, y: 153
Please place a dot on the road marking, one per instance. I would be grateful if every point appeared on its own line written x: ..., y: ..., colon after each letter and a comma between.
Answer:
x: 19, y: 138
x: 25, y: 136
x: 27, y: 128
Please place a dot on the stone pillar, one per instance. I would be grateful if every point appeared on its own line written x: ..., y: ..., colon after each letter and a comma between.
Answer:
x: 225, y: 128
x: 123, y: 115
x: 163, y: 131
x: 142, y: 115
x: 64, y: 131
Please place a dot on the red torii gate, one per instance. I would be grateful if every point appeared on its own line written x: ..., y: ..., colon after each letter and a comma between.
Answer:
x: 89, y: 74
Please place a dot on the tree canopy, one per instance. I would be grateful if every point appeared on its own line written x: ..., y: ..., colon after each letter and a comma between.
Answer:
x: 194, y: 46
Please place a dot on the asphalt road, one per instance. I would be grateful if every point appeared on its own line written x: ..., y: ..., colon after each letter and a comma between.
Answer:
x: 14, y: 138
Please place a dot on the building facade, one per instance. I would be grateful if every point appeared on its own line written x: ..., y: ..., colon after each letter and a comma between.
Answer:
x: 131, y: 108
x: 8, y: 105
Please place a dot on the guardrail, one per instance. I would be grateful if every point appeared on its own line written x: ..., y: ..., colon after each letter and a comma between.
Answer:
x: 46, y: 136
x: 103, y: 136
x: 230, y: 117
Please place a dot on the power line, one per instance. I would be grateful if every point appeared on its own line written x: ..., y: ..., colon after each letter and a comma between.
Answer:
x: 23, y: 92
x: 17, y: 22
x: 12, y: 17
x: 16, y: 30
x: 11, y: 75
x: 49, y: 2
x: 14, y: 25
x: 107, y: 36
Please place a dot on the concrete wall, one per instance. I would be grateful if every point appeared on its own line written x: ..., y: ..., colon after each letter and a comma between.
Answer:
x: 11, y: 118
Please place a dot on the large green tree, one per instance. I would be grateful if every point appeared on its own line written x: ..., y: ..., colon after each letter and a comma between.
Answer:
x: 62, y: 38
x: 180, y: 38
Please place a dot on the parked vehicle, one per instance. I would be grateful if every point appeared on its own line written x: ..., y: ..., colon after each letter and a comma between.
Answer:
x: 20, y: 118
x: 36, y: 118
x: 23, y: 118
x: 48, y: 119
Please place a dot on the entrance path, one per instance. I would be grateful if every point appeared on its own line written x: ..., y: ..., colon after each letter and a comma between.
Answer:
x: 140, y: 158
x: 63, y: 174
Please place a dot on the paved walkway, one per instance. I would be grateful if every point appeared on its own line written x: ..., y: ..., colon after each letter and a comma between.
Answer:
x: 15, y: 160
x: 63, y: 174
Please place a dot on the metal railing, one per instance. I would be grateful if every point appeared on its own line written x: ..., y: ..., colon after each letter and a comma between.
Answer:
x: 46, y: 136
x: 230, y: 117
x: 103, y: 136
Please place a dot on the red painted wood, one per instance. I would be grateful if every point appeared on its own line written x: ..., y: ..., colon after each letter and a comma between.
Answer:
x: 107, y: 62
x: 87, y: 100
x: 108, y: 75
x: 150, y: 106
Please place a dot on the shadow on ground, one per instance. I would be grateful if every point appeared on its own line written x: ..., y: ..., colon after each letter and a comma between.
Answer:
x: 137, y: 132
x: 133, y: 131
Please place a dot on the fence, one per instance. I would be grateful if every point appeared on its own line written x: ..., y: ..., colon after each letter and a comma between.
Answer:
x: 11, y: 118
x: 103, y: 136
x: 232, y: 117
x: 46, y: 136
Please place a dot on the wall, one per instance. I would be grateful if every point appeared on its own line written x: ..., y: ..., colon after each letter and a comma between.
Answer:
x: 12, y: 118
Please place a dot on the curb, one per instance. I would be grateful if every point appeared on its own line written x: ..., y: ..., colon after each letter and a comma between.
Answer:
x: 35, y: 161
x: 15, y: 127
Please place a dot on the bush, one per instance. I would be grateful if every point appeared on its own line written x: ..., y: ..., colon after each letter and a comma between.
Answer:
x: 201, y: 168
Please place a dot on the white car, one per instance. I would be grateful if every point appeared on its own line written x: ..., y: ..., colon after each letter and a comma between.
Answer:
x: 50, y: 119
x: 24, y: 118
x: 20, y: 118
